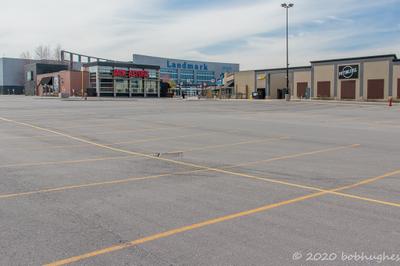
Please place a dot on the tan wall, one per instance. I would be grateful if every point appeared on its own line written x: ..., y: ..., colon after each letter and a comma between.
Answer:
x: 245, y: 79
x: 301, y: 76
x: 278, y: 81
x: 376, y: 70
x: 396, y: 76
x: 324, y: 73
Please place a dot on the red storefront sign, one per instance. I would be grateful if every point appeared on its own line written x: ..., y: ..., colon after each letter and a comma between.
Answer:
x: 131, y: 73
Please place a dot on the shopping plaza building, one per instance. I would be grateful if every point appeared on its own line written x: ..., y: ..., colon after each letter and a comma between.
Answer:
x: 118, y: 79
x: 369, y: 78
x: 188, y: 73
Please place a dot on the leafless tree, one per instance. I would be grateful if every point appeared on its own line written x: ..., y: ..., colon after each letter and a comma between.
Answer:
x: 57, y: 53
x: 42, y: 52
x: 26, y: 55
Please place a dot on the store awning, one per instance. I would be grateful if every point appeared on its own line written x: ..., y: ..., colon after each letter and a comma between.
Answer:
x: 230, y: 84
x: 46, y: 81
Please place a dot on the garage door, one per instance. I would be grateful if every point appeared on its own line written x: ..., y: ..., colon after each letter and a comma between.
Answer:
x: 324, y: 89
x: 376, y: 88
x: 301, y: 89
x: 398, y: 88
x: 348, y: 91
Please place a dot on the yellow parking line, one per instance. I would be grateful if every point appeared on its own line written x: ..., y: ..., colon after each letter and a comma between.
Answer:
x: 217, y: 220
x: 230, y: 144
x: 118, y: 143
x: 179, y: 162
x: 265, y: 179
x: 67, y: 161
x: 180, y: 230
x: 294, y: 155
x: 112, y: 182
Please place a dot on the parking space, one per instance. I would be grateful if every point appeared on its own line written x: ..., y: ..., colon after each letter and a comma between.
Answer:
x: 162, y: 181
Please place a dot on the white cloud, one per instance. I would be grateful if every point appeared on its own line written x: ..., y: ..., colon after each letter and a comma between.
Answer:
x: 116, y: 29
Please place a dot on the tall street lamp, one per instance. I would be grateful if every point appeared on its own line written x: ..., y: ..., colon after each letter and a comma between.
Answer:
x: 287, y: 6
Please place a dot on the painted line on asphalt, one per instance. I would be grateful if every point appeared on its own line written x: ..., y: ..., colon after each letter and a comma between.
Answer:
x: 230, y: 144
x: 68, y: 161
x: 130, y: 179
x: 206, y: 223
x: 291, y: 156
x: 200, y: 167
x: 112, y: 182
x: 116, y: 143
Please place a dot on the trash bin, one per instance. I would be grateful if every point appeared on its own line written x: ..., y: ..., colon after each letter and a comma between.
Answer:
x: 287, y: 97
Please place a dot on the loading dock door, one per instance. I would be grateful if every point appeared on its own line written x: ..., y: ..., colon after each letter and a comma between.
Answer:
x: 398, y: 89
x: 376, y: 89
x: 301, y: 89
x: 348, y: 91
x: 324, y: 89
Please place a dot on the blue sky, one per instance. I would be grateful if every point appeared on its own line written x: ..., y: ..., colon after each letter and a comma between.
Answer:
x: 247, y: 32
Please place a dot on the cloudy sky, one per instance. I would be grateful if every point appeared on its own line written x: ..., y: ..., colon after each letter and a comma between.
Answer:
x: 247, y: 32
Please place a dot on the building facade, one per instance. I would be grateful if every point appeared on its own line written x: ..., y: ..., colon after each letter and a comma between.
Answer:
x: 188, y: 73
x: 12, y: 76
x: 34, y: 69
x: 66, y: 82
x: 371, y: 78
x: 117, y: 79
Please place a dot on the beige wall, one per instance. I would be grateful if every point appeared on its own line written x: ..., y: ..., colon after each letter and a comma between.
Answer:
x: 243, y: 79
x: 278, y: 81
x: 301, y: 76
x: 376, y: 70
x: 396, y: 76
x: 324, y: 73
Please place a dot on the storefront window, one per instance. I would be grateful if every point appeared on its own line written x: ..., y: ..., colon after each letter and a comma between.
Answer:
x: 151, y: 86
x: 136, y: 86
x: 121, y: 86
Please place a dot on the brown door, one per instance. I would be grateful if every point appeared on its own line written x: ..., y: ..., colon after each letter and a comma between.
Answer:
x: 301, y: 89
x: 376, y: 88
x: 348, y: 91
x: 324, y: 89
x: 398, y: 89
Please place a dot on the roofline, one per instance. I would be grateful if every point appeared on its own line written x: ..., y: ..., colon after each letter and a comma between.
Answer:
x: 283, y: 68
x: 121, y: 64
x: 356, y: 58
x: 190, y: 60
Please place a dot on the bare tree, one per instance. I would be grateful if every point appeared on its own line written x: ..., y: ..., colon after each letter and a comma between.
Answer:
x: 26, y: 55
x: 42, y: 52
x: 57, y: 53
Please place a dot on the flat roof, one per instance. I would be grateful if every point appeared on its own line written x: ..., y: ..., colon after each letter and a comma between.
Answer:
x: 356, y: 58
x: 120, y: 64
x: 188, y: 60
x: 284, y: 68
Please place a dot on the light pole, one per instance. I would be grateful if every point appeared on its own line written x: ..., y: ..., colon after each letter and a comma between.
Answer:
x: 287, y: 6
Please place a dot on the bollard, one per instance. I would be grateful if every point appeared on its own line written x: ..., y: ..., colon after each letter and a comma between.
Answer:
x: 390, y: 101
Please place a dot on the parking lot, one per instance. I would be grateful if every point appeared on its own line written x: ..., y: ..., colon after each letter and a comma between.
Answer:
x: 174, y: 182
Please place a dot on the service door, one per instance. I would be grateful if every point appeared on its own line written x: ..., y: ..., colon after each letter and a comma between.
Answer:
x: 301, y: 89
x: 324, y: 89
x: 348, y: 91
x: 376, y: 89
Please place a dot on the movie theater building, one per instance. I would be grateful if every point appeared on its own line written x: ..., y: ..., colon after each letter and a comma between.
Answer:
x: 372, y: 78
x: 116, y: 79
x: 362, y: 78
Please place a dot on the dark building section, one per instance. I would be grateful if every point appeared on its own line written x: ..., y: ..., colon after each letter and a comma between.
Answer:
x: 12, y: 75
x: 34, y: 69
